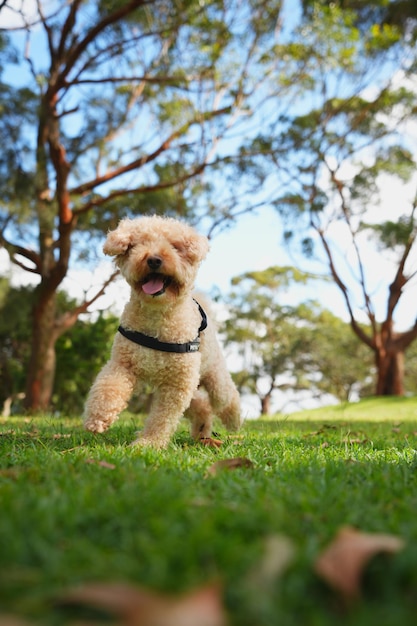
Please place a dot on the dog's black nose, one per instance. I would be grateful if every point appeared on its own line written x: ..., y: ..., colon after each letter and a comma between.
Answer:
x: 154, y: 262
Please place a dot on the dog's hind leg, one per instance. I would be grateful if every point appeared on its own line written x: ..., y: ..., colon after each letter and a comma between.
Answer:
x: 224, y: 397
x: 108, y: 396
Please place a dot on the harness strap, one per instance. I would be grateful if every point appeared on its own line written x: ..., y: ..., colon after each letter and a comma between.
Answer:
x: 164, y: 346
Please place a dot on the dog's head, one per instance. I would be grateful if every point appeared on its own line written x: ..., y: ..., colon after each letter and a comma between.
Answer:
x: 159, y: 257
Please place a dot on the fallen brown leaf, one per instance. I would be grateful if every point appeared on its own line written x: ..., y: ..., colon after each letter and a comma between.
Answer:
x: 211, y: 442
x: 321, y: 430
x: 229, y: 464
x: 70, y: 449
x: 353, y: 441
x: 136, y: 606
x: 278, y: 554
x: 11, y: 472
x: 12, y: 620
x: 342, y: 563
x: 101, y: 463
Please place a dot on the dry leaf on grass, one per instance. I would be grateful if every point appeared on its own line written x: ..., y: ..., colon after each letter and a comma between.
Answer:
x: 353, y: 441
x: 211, y: 442
x: 136, y: 606
x: 101, y: 463
x: 11, y: 472
x: 278, y: 554
x: 228, y: 464
x: 11, y: 620
x: 343, y: 561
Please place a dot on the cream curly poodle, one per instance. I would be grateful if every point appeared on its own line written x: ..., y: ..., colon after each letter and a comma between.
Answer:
x: 166, y: 338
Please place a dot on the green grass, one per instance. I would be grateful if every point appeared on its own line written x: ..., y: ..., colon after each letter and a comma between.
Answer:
x: 160, y: 520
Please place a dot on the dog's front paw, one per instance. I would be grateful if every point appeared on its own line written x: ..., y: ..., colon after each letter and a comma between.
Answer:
x: 95, y: 426
x: 149, y: 442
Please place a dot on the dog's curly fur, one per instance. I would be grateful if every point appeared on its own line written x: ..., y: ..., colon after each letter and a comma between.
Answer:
x: 159, y: 258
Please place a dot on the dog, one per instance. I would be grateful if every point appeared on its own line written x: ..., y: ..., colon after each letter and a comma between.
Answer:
x: 166, y: 339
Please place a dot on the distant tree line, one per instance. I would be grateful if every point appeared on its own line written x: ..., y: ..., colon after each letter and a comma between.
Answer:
x: 302, y: 348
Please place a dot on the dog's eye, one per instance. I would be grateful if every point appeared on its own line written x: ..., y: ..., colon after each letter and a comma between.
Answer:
x: 178, y: 246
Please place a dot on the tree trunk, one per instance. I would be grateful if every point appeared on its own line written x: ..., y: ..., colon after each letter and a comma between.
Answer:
x: 390, y: 374
x: 266, y: 404
x: 42, y: 364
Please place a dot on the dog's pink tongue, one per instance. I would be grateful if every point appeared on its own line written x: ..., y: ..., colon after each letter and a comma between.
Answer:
x: 153, y: 286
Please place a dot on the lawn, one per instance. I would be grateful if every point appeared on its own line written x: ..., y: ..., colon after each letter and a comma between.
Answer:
x: 78, y: 508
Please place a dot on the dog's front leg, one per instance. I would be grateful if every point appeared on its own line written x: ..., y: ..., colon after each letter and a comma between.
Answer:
x: 108, y: 396
x: 168, y: 406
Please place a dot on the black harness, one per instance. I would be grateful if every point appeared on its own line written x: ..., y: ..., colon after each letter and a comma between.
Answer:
x: 164, y: 346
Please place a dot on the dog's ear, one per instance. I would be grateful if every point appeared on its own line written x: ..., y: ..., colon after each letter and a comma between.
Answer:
x: 196, y: 247
x: 118, y: 241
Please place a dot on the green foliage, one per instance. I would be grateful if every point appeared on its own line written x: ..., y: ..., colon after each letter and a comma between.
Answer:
x: 17, y: 116
x: 15, y: 338
x: 81, y: 353
x: 393, y: 18
x: 410, y: 377
x: 274, y: 277
x: 344, y: 365
x: 302, y: 347
x: 392, y: 235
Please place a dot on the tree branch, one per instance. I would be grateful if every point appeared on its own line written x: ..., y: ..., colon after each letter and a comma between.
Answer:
x: 403, y: 340
x: 15, y: 250
x: 68, y: 319
x: 143, y: 160
x: 340, y: 190
x: 155, y: 80
x: 96, y: 202
x: 79, y: 49
x: 400, y: 280
x: 68, y: 26
x: 48, y: 30
x: 353, y: 322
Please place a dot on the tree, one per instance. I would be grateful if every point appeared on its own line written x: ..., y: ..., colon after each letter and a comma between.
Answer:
x: 121, y: 106
x: 402, y: 14
x: 15, y: 306
x: 331, y: 156
x: 81, y: 352
x: 298, y: 348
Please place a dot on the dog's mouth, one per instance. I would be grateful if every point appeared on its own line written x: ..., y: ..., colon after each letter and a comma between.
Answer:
x: 155, y: 284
